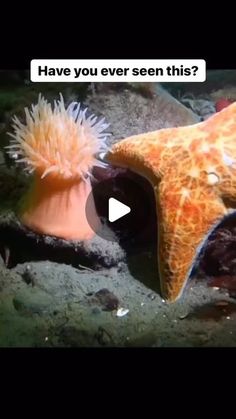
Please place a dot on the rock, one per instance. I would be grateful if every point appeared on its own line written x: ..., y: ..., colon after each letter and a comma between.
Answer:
x: 30, y: 302
x: 25, y: 245
x: 219, y: 254
x: 107, y: 299
x: 130, y: 113
x: 215, y: 80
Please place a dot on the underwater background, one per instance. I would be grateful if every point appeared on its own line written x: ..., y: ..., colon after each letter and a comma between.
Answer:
x: 52, y: 295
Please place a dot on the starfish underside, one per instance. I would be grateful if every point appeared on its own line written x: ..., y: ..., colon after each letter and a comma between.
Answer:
x: 193, y: 172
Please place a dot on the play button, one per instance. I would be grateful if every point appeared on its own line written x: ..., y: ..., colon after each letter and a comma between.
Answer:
x: 125, y: 204
x: 116, y: 210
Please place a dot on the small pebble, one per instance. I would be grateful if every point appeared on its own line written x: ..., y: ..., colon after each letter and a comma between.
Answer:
x: 107, y: 299
x: 122, y: 312
x: 183, y: 316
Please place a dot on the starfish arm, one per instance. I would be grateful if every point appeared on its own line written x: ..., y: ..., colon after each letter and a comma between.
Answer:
x: 143, y: 153
x: 185, y: 219
x: 193, y: 172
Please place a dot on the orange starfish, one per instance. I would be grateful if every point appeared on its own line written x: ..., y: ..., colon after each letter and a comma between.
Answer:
x: 193, y: 172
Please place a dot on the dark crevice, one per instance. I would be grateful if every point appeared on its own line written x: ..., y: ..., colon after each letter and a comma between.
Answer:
x: 25, y: 246
x: 219, y: 255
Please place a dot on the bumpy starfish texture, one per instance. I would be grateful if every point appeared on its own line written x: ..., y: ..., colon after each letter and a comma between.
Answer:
x: 193, y: 173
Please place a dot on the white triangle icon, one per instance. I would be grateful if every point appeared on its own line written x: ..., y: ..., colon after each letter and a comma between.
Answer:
x: 116, y: 210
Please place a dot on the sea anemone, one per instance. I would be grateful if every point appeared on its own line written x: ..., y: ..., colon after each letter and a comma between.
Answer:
x: 60, y: 147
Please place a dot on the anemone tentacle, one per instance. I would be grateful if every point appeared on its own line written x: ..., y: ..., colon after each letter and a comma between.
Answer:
x: 58, y: 140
